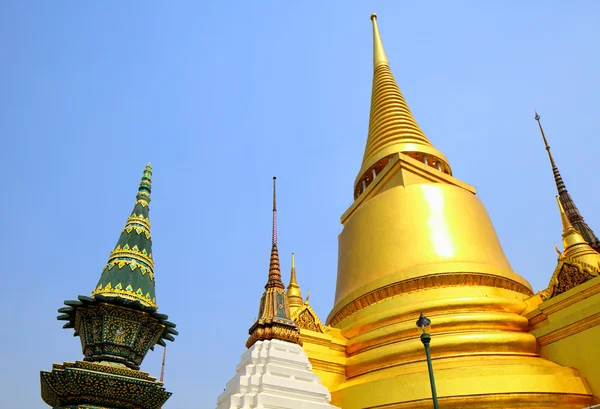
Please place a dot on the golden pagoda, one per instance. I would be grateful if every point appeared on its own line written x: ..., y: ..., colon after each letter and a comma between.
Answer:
x: 418, y: 240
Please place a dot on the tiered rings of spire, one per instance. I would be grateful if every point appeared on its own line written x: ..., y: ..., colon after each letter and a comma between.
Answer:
x: 392, y: 127
x: 129, y: 272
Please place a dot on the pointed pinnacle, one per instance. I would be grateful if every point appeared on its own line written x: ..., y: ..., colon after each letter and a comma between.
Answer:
x: 274, y: 212
x: 145, y: 184
x: 379, y: 56
x: 563, y: 216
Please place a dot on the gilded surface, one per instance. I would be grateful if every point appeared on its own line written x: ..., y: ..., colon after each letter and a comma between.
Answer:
x: 567, y: 327
x: 294, y: 294
x: 418, y: 240
x: 578, y: 263
x: 570, y: 277
x: 392, y: 127
x: 417, y: 230
x: 306, y: 318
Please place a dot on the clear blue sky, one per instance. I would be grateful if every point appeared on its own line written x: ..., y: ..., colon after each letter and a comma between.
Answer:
x: 220, y: 96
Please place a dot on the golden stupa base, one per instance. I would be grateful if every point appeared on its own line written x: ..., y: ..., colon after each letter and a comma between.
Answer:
x: 468, y: 382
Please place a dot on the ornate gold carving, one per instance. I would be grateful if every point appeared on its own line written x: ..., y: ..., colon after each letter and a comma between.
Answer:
x: 569, y: 277
x: 139, y: 259
x: 136, y: 295
x: 569, y: 273
x: 419, y: 283
x: 139, y: 220
x: 274, y: 331
x: 306, y: 318
x: 307, y: 321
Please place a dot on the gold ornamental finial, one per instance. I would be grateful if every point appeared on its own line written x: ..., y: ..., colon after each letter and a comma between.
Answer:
x: 392, y: 127
x: 293, y: 291
x: 293, y: 271
x: 379, y: 56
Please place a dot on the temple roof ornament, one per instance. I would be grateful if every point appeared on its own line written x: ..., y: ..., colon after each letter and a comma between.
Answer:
x: 578, y: 262
x: 565, y: 198
x: 392, y: 127
x: 294, y: 293
x: 274, y: 320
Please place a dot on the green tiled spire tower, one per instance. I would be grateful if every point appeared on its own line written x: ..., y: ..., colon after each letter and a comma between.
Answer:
x: 129, y: 272
x: 117, y: 326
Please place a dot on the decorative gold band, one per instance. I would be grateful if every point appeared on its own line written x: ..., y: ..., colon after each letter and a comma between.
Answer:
x: 420, y: 283
x: 126, y: 293
x: 274, y: 331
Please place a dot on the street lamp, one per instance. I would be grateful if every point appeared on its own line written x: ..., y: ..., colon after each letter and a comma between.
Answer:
x: 424, y: 325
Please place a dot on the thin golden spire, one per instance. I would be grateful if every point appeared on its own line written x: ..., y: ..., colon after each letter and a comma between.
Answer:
x: 392, y: 127
x: 293, y: 271
x: 566, y: 223
x: 293, y: 291
x: 379, y: 56
x: 574, y: 245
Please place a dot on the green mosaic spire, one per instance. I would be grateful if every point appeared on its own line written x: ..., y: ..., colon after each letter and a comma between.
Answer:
x: 129, y: 273
x: 117, y: 326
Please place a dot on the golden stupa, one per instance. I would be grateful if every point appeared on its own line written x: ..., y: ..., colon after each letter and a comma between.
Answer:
x: 417, y: 239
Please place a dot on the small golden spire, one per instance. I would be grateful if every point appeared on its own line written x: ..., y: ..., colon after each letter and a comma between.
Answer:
x: 563, y: 217
x: 392, y: 127
x: 379, y: 56
x: 574, y: 245
x: 293, y: 291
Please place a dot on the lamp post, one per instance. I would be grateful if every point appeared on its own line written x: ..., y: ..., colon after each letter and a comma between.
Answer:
x: 424, y: 325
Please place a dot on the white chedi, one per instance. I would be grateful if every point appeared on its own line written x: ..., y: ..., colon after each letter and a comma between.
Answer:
x: 275, y: 374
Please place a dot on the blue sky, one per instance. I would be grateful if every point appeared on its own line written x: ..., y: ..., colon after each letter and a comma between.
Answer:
x: 220, y: 96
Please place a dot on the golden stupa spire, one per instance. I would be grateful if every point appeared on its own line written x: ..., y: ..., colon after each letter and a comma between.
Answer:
x: 392, y: 127
x: 379, y: 56
x: 293, y: 291
x: 567, y: 201
x: 575, y: 246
